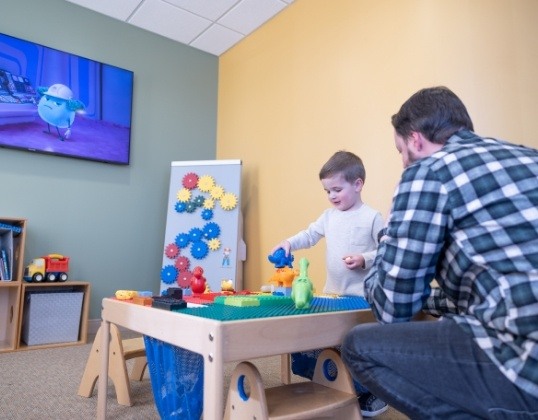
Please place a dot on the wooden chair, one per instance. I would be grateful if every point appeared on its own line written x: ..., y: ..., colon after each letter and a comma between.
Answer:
x: 330, y: 394
x: 120, y: 351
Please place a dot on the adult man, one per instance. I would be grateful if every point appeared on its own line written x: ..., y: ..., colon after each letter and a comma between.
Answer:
x: 465, y: 213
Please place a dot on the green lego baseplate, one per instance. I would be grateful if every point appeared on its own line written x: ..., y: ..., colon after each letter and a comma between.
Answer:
x: 222, y: 312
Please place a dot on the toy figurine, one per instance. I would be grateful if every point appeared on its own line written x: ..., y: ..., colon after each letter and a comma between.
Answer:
x: 283, y: 277
x: 198, y: 281
x: 280, y: 260
x: 302, y: 289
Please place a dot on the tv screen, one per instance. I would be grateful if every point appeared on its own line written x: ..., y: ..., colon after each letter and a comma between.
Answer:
x: 62, y: 104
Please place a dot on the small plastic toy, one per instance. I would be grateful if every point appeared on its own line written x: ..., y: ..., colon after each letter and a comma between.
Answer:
x: 52, y: 267
x: 227, y: 285
x: 280, y: 259
x: 283, y: 277
x: 126, y: 294
x: 302, y: 289
x: 198, y: 281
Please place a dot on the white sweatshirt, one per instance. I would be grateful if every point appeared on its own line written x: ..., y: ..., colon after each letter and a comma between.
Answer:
x: 346, y: 233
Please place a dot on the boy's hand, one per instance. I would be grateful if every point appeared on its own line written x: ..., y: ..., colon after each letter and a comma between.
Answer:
x: 285, y: 245
x: 354, y: 261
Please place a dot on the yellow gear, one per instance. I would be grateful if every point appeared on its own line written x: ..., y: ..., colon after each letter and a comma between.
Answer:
x: 205, y: 183
x: 183, y: 195
x: 228, y: 201
x: 213, y: 244
x: 209, y: 204
x: 216, y: 192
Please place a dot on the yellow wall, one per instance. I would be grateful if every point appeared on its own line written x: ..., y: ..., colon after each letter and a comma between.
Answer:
x: 326, y: 75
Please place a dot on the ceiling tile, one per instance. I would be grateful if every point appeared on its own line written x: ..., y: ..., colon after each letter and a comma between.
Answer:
x: 118, y: 9
x: 216, y: 40
x: 169, y: 21
x: 210, y: 9
x: 250, y: 14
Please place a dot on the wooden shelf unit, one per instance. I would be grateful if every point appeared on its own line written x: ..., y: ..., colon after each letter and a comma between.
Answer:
x: 76, y: 286
x: 12, y: 293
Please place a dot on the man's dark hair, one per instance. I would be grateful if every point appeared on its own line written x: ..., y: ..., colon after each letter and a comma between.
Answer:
x: 346, y: 163
x: 435, y: 112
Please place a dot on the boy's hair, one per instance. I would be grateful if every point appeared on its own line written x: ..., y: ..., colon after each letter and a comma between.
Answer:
x: 346, y: 163
x: 435, y: 112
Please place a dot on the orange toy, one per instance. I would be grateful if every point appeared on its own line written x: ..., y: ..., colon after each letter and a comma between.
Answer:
x: 283, y: 277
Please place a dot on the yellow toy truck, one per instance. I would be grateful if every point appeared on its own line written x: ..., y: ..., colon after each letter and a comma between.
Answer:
x: 52, y: 267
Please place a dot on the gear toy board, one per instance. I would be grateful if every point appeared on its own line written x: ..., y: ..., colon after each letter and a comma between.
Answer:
x: 203, y: 224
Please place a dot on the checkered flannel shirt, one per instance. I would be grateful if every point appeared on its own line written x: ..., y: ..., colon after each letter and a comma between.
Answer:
x: 467, y: 216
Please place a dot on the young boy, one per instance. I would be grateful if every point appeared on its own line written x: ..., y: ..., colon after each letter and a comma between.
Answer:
x: 350, y: 230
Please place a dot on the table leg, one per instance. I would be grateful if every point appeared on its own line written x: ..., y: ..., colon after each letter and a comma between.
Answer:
x: 103, y: 376
x: 285, y: 375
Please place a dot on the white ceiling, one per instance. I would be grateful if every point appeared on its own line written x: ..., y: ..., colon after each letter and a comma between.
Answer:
x: 212, y: 26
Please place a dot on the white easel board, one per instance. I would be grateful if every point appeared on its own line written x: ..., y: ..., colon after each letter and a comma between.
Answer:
x: 203, y: 224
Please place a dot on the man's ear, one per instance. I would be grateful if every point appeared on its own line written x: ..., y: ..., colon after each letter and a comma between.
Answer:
x: 416, y: 141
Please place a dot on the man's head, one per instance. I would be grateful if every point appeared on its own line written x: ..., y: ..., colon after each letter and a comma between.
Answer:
x: 427, y: 120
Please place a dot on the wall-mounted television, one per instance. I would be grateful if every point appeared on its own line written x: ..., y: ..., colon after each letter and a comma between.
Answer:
x: 62, y: 104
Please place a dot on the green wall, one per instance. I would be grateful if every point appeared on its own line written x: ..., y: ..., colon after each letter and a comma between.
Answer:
x: 111, y: 219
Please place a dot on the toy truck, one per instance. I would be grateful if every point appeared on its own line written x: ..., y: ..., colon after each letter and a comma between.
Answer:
x: 52, y: 267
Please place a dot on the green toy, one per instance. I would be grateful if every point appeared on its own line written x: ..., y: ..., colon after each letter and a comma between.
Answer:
x: 302, y: 289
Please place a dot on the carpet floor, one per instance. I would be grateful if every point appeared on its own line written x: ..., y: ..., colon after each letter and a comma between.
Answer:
x: 43, y: 383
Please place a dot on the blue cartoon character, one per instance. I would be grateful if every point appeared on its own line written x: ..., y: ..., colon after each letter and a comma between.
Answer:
x: 57, y: 108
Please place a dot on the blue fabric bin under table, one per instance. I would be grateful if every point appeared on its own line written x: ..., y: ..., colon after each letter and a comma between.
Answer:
x: 177, y: 380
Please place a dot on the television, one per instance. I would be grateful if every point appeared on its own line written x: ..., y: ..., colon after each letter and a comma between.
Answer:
x: 59, y: 103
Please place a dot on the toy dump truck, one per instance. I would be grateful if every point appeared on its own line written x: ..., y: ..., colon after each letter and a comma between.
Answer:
x: 52, y: 267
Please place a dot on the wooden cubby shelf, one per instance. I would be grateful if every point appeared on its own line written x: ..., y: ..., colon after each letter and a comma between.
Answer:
x: 14, y: 290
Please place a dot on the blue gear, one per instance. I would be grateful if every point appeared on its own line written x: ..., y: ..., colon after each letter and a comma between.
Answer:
x: 182, y: 240
x: 168, y: 274
x: 199, y: 250
x: 207, y: 214
x: 199, y: 200
x: 180, y: 207
x: 211, y: 230
x: 196, y: 234
x: 191, y: 207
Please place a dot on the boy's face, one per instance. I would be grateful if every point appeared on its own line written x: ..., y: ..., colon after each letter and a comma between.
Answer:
x: 342, y: 194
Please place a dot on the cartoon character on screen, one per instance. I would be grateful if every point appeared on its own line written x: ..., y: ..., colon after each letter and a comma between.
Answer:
x: 57, y: 108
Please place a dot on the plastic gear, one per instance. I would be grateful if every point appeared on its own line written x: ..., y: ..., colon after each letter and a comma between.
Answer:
x: 180, y: 207
x: 183, y: 279
x: 184, y: 195
x: 205, y: 183
x: 199, y: 250
x: 211, y: 230
x: 182, y: 263
x: 169, y: 274
x: 216, y: 192
x: 190, y: 180
x: 228, y: 201
x: 199, y: 200
x: 207, y: 214
x: 196, y: 234
x: 171, y: 251
x: 213, y: 244
x: 182, y: 240
x: 190, y: 207
x: 209, y: 204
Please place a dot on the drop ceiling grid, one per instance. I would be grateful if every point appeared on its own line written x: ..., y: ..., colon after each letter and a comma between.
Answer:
x: 212, y: 26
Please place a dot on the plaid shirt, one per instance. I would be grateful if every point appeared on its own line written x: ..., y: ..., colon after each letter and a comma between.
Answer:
x: 467, y: 216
